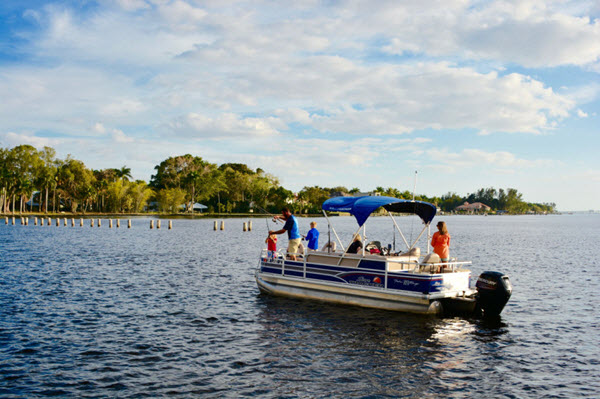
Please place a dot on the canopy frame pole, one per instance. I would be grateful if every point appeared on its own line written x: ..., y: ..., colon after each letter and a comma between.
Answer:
x: 348, y: 247
x: 332, y: 228
x: 364, y: 239
x: 428, y: 238
x: 399, y: 231
x: 422, y: 231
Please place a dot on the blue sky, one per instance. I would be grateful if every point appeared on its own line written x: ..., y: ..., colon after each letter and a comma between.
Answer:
x: 470, y: 94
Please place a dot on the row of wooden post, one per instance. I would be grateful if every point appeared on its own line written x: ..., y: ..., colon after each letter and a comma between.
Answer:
x: 247, y: 225
x: 25, y: 221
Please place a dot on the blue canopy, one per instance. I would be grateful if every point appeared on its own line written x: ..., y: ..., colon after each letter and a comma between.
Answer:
x: 362, y: 207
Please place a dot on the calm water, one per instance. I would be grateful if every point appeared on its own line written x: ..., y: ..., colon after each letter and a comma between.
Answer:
x: 99, y: 312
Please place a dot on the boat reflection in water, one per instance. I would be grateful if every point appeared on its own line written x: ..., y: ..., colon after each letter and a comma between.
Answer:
x: 379, y: 277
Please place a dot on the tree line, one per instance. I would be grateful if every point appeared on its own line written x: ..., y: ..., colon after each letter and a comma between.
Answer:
x: 34, y: 180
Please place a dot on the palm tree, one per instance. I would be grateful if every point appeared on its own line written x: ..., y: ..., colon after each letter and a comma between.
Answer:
x: 123, y: 173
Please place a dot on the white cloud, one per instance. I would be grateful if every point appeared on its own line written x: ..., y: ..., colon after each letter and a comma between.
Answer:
x: 99, y: 128
x: 234, y: 63
x: 476, y: 158
x: 12, y: 139
x: 530, y: 33
x: 120, y: 137
x: 333, y: 89
x: 225, y: 125
x: 132, y: 5
x: 122, y: 107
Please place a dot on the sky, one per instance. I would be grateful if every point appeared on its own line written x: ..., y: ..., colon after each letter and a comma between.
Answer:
x: 446, y: 96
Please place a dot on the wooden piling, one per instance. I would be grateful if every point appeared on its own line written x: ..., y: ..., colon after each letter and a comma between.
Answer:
x: 81, y: 222
x: 170, y: 224
x: 99, y: 222
x: 6, y: 220
x: 35, y: 221
x: 250, y: 225
x: 158, y: 224
x: 49, y: 222
x: 65, y: 221
x: 118, y: 223
x: 151, y: 224
x: 13, y: 220
x: 72, y: 222
x: 129, y: 223
x: 26, y: 221
x: 222, y: 225
x: 57, y: 222
x: 110, y: 223
x: 245, y: 228
x: 22, y: 221
x: 215, y: 227
x: 91, y: 222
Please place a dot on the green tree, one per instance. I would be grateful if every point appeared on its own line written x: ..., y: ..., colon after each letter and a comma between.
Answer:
x: 46, y: 175
x: 23, y: 161
x: 140, y: 193
x: 311, y: 198
x: 4, y: 179
x: 170, y: 199
x: 116, y: 195
x: 123, y: 173
x: 278, y: 198
x: 75, y: 183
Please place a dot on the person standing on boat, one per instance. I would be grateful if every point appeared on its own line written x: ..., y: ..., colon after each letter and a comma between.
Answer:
x: 291, y: 226
x: 441, y: 242
x: 271, y: 242
x: 312, y: 237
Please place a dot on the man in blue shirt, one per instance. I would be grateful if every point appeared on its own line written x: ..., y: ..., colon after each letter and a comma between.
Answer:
x: 291, y: 226
x: 312, y: 237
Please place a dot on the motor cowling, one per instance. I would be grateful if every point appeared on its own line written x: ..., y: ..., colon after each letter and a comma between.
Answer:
x: 493, y: 292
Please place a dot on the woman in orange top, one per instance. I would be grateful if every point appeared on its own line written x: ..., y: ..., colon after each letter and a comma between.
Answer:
x: 441, y: 242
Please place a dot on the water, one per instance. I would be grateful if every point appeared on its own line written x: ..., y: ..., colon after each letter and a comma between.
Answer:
x: 99, y: 312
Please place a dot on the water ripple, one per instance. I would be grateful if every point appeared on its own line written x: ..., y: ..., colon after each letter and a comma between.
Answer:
x: 145, y: 313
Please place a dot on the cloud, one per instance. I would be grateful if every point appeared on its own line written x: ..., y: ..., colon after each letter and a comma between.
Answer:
x: 120, y: 137
x: 122, y: 107
x: 225, y: 125
x: 132, y: 5
x: 529, y: 33
x: 12, y: 139
x: 178, y: 57
x: 430, y: 96
x: 475, y: 158
x: 336, y: 90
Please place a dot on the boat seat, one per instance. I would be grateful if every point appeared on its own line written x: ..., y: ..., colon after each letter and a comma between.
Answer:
x: 416, y: 251
x: 373, y: 244
x: 429, y: 263
x: 432, y: 258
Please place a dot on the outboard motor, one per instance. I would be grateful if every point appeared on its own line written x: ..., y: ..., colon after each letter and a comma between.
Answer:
x: 493, y: 291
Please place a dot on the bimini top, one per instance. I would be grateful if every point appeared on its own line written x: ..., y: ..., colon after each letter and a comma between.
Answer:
x: 362, y: 207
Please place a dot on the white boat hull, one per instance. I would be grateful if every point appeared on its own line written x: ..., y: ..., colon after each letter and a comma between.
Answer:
x: 348, y: 295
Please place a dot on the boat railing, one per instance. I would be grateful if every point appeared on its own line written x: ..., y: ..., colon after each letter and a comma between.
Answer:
x: 442, y: 267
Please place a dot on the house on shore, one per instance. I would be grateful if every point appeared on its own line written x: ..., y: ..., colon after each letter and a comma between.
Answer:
x: 475, y: 207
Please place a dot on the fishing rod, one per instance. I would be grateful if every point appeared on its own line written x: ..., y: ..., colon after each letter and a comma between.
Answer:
x: 274, y: 217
